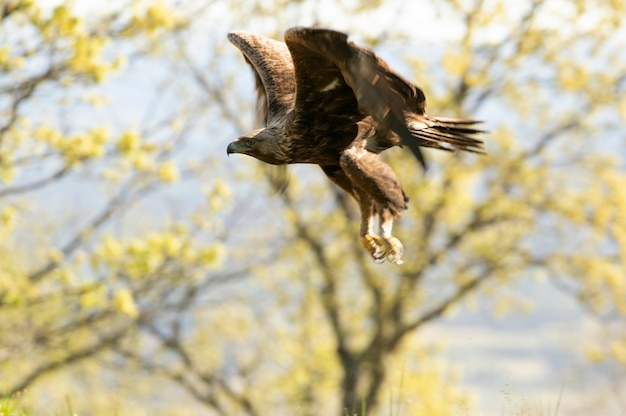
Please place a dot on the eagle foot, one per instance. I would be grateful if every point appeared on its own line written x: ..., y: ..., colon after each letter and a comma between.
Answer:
x: 376, y: 246
x: 383, y: 248
x: 394, y: 250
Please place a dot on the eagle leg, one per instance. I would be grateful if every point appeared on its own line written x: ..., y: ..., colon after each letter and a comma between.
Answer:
x: 376, y: 246
x: 373, y: 243
x: 393, y: 247
x: 387, y: 246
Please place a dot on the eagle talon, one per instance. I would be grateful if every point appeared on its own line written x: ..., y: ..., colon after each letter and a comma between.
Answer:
x: 395, y: 250
x: 376, y: 246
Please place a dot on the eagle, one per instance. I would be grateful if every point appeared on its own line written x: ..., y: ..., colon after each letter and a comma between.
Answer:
x: 327, y: 101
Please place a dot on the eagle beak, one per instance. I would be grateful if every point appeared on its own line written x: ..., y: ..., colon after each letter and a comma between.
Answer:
x: 232, y: 148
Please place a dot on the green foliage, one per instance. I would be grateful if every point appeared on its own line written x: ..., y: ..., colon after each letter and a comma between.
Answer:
x: 11, y: 407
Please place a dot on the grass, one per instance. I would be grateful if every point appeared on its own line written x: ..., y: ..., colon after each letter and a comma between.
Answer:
x: 353, y: 412
x: 548, y: 412
x: 538, y: 408
x: 13, y: 406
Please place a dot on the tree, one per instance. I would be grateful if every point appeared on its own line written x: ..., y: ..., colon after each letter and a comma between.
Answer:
x: 482, y: 223
x: 70, y: 286
x: 257, y: 303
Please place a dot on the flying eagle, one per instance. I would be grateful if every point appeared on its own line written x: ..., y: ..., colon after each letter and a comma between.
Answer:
x: 327, y: 101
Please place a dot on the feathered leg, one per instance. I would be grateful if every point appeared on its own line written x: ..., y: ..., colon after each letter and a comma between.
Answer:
x: 393, y: 247
x: 378, y: 192
x: 373, y: 243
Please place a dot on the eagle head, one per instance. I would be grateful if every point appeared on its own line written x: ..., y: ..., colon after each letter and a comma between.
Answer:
x: 267, y: 145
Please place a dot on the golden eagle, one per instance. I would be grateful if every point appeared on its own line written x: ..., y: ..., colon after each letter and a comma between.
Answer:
x: 328, y: 101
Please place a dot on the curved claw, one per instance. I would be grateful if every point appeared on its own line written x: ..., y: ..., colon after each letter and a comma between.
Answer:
x: 395, y: 250
x: 383, y: 248
x: 376, y: 246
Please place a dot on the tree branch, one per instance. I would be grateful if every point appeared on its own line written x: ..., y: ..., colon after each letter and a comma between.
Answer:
x: 22, y: 92
x: 113, y: 205
x: 442, y: 307
x: 206, y: 396
x: 547, y: 137
x: 328, y: 294
x: 70, y: 358
x: 20, y: 189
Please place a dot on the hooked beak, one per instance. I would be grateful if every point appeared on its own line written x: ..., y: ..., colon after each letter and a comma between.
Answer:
x: 232, y: 148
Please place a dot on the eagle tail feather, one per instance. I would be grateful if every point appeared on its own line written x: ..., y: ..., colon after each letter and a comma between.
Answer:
x: 448, y: 134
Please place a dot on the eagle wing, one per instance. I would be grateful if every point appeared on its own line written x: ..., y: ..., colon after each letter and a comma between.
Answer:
x: 275, y: 84
x: 353, y: 80
x: 273, y: 73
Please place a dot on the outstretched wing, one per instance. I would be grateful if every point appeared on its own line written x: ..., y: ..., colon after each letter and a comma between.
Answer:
x: 330, y: 69
x: 273, y: 72
x: 275, y: 84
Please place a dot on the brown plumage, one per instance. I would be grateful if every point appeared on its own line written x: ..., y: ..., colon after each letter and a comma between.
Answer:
x: 330, y: 102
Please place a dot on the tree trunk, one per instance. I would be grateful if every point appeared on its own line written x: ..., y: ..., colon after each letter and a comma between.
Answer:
x: 351, y: 401
x: 362, y: 379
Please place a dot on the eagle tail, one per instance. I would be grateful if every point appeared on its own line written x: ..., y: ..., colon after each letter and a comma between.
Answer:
x: 450, y: 134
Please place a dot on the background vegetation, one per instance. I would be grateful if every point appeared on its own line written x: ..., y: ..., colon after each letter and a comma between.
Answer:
x: 142, y: 272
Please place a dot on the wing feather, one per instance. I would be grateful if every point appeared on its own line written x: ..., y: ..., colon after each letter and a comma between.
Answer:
x: 275, y: 84
x: 377, y: 90
x: 273, y: 72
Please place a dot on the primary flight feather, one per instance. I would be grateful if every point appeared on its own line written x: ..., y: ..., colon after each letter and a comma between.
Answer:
x: 327, y: 101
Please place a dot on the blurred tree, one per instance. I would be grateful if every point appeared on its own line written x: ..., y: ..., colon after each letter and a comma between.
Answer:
x: 76, y: 277
x: 546, y: 201
x: 136, y: 290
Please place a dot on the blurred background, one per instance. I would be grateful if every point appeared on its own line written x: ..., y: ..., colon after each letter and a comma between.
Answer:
x: 142, y: 272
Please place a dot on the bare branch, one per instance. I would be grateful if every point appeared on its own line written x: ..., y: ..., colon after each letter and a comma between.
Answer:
x: 241, y: 399
x: 329, y: 290
x: 75, y: 242
x: 205, y: 393
x: 70, y: 358
x: 547, y: 137
x: 38, y: 184
x: 21, y: 92
x: 216, y: 92
x: 442, y: 307
x: 8, y: 8
x: 328, y: 293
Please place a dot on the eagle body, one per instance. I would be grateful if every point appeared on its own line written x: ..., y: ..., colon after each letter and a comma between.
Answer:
x: 327, y: 101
